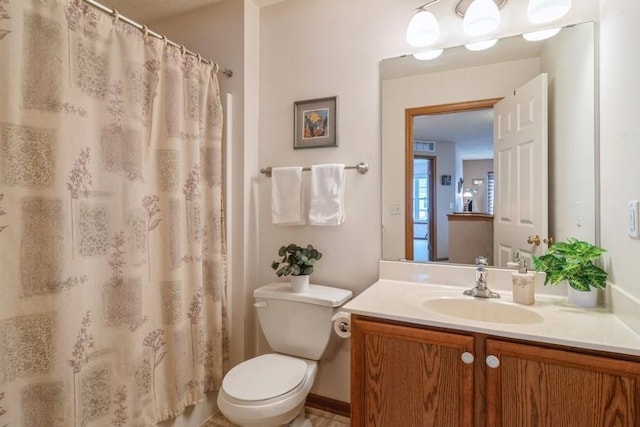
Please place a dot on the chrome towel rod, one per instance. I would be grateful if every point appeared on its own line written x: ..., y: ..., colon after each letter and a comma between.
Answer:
x: 361, y: 167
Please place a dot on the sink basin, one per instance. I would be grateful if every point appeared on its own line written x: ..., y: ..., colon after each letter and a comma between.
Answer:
x: 482, y: 310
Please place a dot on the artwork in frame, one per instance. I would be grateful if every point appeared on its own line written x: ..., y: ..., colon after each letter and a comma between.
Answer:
x: 315, y: 123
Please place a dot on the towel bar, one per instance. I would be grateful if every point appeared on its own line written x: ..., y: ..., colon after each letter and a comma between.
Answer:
x: 361, y: 167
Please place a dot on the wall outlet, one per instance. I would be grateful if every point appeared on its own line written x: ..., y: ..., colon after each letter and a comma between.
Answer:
x: 395, y: 209
x: 634, y: 233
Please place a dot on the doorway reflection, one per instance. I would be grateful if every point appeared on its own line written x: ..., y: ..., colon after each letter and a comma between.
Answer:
x: 423, y: 201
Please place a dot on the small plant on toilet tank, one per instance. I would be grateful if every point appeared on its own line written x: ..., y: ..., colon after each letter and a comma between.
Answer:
x: 296, y: 260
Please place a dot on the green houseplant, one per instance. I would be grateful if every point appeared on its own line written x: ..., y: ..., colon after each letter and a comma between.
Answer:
x: 573, y: 261
x: 298, y: 262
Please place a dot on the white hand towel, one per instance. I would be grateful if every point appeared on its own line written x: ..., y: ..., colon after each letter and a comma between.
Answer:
x: 326, y: 206
x: 286, y: 196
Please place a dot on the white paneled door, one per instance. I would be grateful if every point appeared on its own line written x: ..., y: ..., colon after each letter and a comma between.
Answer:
x: 520, y: 159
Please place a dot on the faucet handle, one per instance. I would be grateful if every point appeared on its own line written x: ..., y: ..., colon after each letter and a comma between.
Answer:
x: 481, y: 261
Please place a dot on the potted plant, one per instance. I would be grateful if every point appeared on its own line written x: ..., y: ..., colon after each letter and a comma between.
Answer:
x: 573, y: 261
x: 297, y: 262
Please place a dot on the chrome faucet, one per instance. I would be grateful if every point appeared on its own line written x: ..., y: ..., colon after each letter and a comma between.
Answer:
x: 481, y: 290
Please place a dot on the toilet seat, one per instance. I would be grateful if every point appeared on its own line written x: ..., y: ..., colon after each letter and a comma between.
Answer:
x: 281, y: 405
x: 264, y: 377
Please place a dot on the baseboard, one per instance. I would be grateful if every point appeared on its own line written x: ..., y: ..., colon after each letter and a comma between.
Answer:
x: 329, y: 405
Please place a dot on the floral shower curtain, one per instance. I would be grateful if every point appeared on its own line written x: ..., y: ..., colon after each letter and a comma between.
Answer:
x: 112, y: 254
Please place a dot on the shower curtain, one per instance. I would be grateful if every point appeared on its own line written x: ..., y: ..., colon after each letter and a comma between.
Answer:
x: 112, y: 252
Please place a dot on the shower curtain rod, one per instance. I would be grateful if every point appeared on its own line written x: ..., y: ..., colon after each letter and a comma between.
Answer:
x: 227, y: 72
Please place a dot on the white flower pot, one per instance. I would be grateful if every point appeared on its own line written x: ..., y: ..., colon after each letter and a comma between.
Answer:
x: 581, y: 298
x: 300, y: 284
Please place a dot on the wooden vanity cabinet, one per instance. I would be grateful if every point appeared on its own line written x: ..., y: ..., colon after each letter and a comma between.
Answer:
x: 535, y: 386
x: 404, y: 375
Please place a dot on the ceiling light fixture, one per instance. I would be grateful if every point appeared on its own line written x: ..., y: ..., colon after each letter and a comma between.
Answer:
x: 482, y: 17
x: 543, y: 11
x: 428, y: 54
x: 540, y: 35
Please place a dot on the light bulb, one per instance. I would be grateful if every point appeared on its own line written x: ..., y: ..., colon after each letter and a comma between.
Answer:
x: 540, y: 35
x: 485, y: 44
x: 482, y: 17
x: 423, y: 29
x: 428, y: 54
x: 542, y: 11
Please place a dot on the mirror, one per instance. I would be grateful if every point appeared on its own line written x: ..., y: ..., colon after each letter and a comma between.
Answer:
x: 460, y: 76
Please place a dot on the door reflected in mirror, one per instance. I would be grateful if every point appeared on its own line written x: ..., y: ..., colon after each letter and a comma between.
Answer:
x: 459, y: 77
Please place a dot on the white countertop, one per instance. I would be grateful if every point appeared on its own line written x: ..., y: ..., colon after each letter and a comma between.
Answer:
x: 557, y: 321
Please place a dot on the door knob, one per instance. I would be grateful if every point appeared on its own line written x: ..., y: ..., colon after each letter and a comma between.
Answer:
x: 549, y: 241
x: 534, y: 240
x: 467, y: 358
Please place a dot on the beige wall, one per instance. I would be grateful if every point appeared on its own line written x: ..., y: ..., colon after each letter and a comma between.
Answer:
x: 619, y: 133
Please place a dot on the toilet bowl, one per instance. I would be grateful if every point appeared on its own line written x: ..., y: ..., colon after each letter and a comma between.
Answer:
x: 271, y: 390
x: 266, y: 391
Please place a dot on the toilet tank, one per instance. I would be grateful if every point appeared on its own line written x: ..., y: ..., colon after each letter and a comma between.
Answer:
x: 298, y: 324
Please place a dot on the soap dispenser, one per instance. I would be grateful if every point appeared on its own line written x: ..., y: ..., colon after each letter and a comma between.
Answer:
x: 523, y: 284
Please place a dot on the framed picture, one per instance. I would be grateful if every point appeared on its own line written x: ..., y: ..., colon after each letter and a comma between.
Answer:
x: 315, y: 123
x: 445, y: 179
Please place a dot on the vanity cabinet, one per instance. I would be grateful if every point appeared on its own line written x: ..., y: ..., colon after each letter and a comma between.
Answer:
x: 406, y: 375
x: 536, y: 386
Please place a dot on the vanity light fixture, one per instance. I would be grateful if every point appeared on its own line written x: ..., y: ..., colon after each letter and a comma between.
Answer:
x: 485, y: 44
x: 482, y: 17
x: 423, y: 29
x: 542, y: 11
x: 479, y: 18
x: 428, y: 54
x: 541, y: 35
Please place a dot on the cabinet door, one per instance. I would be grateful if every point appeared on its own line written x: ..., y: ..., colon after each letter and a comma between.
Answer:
x: 405, y: 376
x: 539, y: 387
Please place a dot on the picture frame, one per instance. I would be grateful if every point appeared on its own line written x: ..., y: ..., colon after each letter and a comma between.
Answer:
x: 315, y: 123
x: 445, y: 179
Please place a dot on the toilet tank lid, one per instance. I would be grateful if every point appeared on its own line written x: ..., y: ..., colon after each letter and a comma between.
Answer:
x: 317, y: 294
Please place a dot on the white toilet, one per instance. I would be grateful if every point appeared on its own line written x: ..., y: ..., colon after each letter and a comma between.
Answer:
x: 271, y: 390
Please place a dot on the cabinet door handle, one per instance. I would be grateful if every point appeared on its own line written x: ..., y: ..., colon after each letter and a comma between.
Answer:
x: 493, y: 361
x: 467, y: 358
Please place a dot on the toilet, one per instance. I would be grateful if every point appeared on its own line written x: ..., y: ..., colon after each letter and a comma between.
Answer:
x: 271, y: 389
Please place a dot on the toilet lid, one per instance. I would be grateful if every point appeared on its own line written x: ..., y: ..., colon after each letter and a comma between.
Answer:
x: 264, y: 377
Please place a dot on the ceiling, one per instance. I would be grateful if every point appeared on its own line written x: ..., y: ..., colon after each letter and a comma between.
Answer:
x: 472, y: 131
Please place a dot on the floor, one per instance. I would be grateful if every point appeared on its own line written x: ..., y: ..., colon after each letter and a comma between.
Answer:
x: 318, y: 419
x: 421, y: 250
